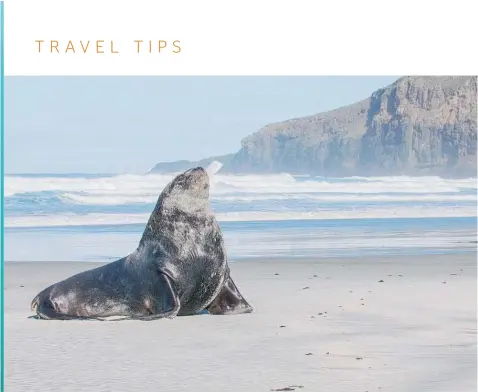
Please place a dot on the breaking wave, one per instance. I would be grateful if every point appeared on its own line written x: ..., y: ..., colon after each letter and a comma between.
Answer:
x: 58, y: 200
x: 129, y: 188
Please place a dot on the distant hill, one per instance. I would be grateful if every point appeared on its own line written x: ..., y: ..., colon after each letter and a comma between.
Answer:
x: 179, y: 166
x: 419, y: 125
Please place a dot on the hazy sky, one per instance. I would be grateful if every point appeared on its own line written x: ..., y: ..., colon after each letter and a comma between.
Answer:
x: 128, y: 124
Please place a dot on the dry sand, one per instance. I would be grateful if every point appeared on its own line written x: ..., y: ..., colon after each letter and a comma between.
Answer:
x: 326, y: 325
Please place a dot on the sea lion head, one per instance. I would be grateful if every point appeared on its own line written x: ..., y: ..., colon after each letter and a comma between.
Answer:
x: 193, y: 183
x: 184, y: 201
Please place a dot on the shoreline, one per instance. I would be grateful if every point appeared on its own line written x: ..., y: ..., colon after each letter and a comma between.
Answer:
x: 376, y: 258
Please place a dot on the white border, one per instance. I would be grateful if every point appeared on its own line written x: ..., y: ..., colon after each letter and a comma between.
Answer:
x: 247, y: 37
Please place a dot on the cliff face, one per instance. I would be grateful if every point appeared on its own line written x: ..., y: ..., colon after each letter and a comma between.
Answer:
x: 422, y: 124
x: 416, y: 126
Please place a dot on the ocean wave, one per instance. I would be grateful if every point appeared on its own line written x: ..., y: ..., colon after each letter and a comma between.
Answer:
x: 125, y: 184
x: 121, y: 199
x: 129, y: 188
x: 247, y: 216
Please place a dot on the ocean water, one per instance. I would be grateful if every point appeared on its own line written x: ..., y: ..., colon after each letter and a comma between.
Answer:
x: 78, y: 217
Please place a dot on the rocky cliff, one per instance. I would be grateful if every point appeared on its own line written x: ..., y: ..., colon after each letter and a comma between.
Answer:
x: 420, y: 125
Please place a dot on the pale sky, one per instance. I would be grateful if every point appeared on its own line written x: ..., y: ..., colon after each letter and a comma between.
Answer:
x: 128, y: 124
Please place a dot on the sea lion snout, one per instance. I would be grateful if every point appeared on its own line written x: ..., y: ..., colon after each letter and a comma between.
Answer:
x: 196, y: 173
x: 193, y: 182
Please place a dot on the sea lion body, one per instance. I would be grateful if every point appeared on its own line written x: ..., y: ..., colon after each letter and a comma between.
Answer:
x: 179, y: 268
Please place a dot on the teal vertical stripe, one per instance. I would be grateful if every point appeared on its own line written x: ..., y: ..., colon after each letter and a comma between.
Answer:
x: 2, y: 161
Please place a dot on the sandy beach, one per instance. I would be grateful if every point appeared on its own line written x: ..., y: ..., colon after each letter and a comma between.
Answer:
x: 353, y: 324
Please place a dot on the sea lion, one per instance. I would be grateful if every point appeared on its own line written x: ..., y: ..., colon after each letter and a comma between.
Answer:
x: 179, y: 267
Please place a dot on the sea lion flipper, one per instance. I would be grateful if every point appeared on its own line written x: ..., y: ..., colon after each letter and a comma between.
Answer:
x: 165, y: 302
x: 229, y: 301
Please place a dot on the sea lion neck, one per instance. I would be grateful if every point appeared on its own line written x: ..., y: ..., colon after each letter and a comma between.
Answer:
x: 171, y: 212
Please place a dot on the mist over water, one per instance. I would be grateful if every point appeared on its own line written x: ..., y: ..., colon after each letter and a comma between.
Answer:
x: 261, y: 215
